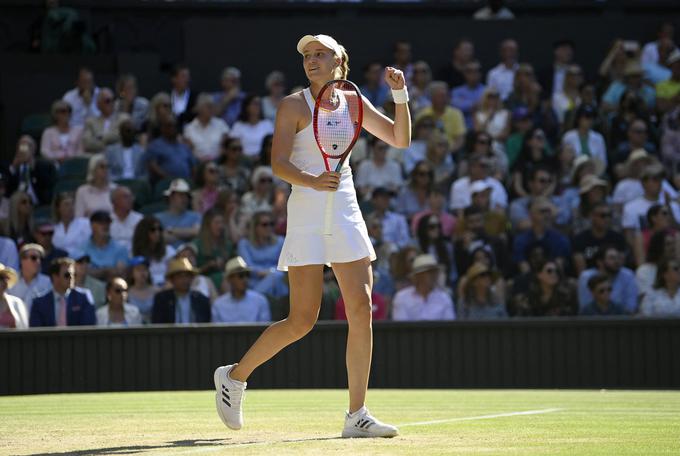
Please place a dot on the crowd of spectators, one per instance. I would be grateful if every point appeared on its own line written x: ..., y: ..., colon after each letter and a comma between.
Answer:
x: 534, y: 189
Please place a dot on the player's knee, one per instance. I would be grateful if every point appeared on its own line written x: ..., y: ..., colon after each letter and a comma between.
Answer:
x: 359, y: 308
x: 300, y: 325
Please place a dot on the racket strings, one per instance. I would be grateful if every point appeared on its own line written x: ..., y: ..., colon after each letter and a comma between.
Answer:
x: 337, y: 122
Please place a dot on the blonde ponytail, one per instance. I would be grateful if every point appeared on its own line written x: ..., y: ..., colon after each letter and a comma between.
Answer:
x: 342, y: 71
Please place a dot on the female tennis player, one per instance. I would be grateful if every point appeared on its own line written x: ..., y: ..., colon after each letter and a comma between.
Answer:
x: 297, y: 160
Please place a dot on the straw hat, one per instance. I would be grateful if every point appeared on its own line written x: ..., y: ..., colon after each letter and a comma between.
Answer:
x: 635, y: 156
x: 236, y: 265
x: 422, y: 263
x: 32, y: 246
x: 589, y: 182
x: 10, y: 273
x: 583, y: 160
x: 179, y: 265
x: 475, y: 271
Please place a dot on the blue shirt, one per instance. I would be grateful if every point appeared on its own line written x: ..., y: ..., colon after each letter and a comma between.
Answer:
x: 616, y: 89
x: 186, y: 219
x: 624, y: 290
x: 260, y: 258
x: 106, y: 257
x: 377, y: 97
x: 614, y: 308
x: 183, y: 313
x: 233, y: 109
x: 252, y: 307
x: 174, y: 158
x: 554, y: 244
x: 465, y: 99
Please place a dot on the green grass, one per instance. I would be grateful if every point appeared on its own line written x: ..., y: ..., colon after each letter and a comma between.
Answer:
x: 309, y: 422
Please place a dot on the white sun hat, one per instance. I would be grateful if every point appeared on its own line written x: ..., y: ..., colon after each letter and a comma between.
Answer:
x: 325, y: 41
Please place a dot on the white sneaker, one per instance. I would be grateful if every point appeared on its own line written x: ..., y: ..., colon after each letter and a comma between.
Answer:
x: 229, y: 397
x: 362, y: 424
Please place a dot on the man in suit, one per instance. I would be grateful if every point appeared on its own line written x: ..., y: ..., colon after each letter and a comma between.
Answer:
x: 25, y: 173
x: 182, y: 98
x: 126, y: 159
x: 63, y: 306
x: 180, y: 304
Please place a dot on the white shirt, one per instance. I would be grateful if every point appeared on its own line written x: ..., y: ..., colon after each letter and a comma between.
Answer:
x: 628, y: 189
x: 371, y: 175
x: 252, y: 307
x: 179, y: 102
x: 206, y: 140
x: 122, y: 230
x: 558, y: 78
x: 635, y: 212
x: 410, y: 305
x: 251, y: 136
x: 596, y: 144
x: 501, y: 78
x: 157, y: 268
x: 128, y: 171
x: 460, y: 196
x: 79, y: 110
x: 645, y: 275
x: 658, y: 303
x: 40, y: 285
x: 74, y: 238
x: 131, y: 315
x: 395, y: 229
x: 18, y: 309
x: 650, y: 53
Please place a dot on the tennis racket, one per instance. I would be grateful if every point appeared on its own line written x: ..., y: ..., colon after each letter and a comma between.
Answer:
x: 337, y: 118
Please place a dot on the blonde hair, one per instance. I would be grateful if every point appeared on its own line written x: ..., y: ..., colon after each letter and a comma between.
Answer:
x: 342, y: 71
x: 95, y: 160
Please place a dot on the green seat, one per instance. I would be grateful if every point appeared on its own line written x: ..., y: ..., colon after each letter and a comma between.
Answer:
x: 153, y: 208
x: 42, y: 212
x: 74, y: 168
x: 34, y: 124
x: 139, y: 188
x: 160, y: 187
x: 67, y: 185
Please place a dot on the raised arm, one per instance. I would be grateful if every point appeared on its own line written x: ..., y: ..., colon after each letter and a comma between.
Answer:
x: 396, y: 133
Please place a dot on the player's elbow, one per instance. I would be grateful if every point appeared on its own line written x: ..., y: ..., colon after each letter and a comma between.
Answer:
x: 402, y: 143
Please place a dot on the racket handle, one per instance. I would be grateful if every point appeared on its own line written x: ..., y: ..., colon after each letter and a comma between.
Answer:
x: 328, y: 216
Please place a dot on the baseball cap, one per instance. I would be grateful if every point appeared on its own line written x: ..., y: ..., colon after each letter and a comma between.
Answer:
x: 325, y: 41
x: 479, y: 186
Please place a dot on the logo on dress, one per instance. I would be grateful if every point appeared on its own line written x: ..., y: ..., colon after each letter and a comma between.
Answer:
x: 332, y: 123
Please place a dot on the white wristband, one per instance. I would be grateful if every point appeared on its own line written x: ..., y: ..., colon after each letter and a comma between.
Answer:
x: 400, y: 96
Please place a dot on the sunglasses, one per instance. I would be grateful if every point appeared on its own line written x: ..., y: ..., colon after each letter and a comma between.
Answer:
x: 266, y: 180
x: 639, y: 130
x: 604, y: 214
x: 422, y: 173
x: 24, y: 202
x: 433, y: 226
x: 211, y: 170
x: 31, y: 257
x: 266, y: 224
x: 63, y: 110
x: 154, y: 229
x: 541, y: 137
x: 663, y: 212
x: 550, y: 271
x: 236, y: 148
x: 546, y: 211
x: 486, y: 142
x: 544, y: 180
x: 242, y: 275
x: 103, y: 166
x: 604, y: 290
x: 107, y: 100
x: 68, y: 275
x: 120, y: 290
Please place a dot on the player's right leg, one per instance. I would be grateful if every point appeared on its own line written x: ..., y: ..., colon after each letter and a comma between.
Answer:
x: 306, y: 287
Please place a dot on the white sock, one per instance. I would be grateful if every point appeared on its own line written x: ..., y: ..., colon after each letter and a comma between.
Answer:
x: 358, y: 412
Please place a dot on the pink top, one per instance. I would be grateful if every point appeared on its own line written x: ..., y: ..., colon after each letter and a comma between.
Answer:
x: 55, y: 145
x: 447, y: 221
x: 7, y: 319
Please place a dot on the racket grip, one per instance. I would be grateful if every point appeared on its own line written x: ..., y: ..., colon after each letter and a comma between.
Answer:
x: 328, y: 216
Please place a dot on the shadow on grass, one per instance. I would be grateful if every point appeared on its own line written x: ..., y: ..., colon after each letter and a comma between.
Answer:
x: 216, y: 443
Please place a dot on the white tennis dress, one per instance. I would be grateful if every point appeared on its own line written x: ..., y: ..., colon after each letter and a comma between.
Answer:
x: 305, y: 241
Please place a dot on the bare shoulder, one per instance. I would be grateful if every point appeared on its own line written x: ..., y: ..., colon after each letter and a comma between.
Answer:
x: 293, y: 103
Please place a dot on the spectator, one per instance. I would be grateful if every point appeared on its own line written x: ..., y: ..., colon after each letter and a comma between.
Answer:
x: 240, y: 304
x: 107, y: 256
x: 83, y: 98
x: 495, y: 222
x: 62, y: 305
x: 568, y: 98
x: 481, y: 144
x: 454, y: 73
x: 180, y: 304
x: 19, y: 225
x: 447, y: 118
x: 549, y: 293
x: 423, y: 300
x: 252, y: 127
x: 521, y: 123
x: 166, y: 157
x: 650, y: 51
x: 229, y: 204
x: 25, y: 173
x: 201, y: 283
x: 129, y: 103
x: 556, y: 245
x: 436, y: 206
x: 379, y: 171
x: 460, y: 196
x: 552, y: 78
x: 401, y: 264
x: 13, y: 312
x: 494, y: 10
x: 632, y: 80
x: 601, y: 288
x: 117, y: 312
x: 261, y: 250
x: 479, y: 302
x: 124, y: 219
x: 94, y: 289
x: 95, y: 195
x: 61, y: 141
x: 664, y: 300
x: 525, y: 90
x: 668, y: 90
x: 213, y: 247
x: 491, y: 117
x: 70, y: 232
x: 414, y: 196
x: 592, y: 190
x: 535, y: 154
x: 540, y: 184
x: 373, y: 89
x: 149, y: 242
x: 670, y: 138
x: 467, y: 96
x: 663, y: 244
x: 182, y: 99
x: 208, y: 187
x: 630, y: 186
x: 501, y: 76
x: 230, y: 100
x: 394, y: 226
x: 231, y: 170
x: 102, y: 130
x: 265, y: 158
x: 658, y: 220
x: 32, y: 283
x: 419, y: 88
x: 583, y: 139
x: 161, y: 107
x: 126, y: 159
x: 609, y: 261
x: 587, y: 242
x: 637, y: 139
x: 141, y: 291
x: 205, y: 132
x: 439, y: 157
x: 423, y: 129
x: 260, y: 198
x: 630, y: 108
x: 402, y: 59
x: 432, y: 241
x: 9, y: 255
x: 276, y: 89
x: 43, y: 233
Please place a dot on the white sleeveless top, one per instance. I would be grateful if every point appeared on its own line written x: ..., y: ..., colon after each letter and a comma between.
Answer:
x: 305, y: 242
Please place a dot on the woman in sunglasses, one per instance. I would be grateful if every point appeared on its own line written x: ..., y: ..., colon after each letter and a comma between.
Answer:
x: 61, y: 140
x: 117, y: 312
x: 149, y: 242
x: 549, y: 293
x: 664, y: 300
